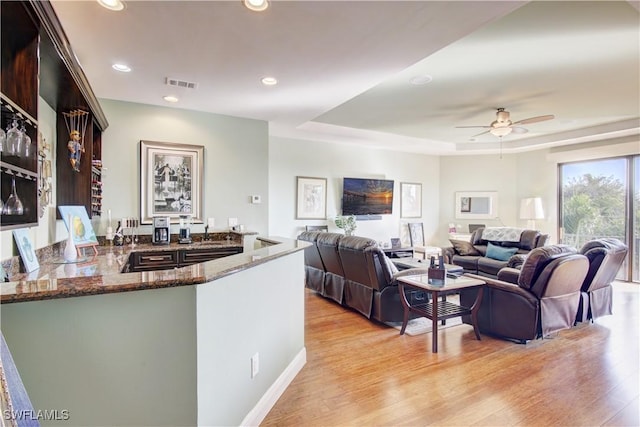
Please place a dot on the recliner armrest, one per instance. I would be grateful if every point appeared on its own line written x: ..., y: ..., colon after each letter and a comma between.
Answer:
x: 410, y: 272
x: 500, y: 285
x: 509, y: 274
x: 516, y: 261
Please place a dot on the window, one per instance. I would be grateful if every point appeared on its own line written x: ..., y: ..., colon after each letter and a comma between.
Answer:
x: 600, y: 198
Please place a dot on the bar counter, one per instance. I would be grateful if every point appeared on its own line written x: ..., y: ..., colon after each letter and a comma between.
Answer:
x: 100, y: 274
x: 178, y: 352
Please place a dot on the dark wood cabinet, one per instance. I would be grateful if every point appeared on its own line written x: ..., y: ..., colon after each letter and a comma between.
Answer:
x: 19, y: 105
x: 78, y: 186
x: 194, y: 256
x: 167, y: 259
x: 153, y: 260
x: 20, y: 65
x: 38, y: 62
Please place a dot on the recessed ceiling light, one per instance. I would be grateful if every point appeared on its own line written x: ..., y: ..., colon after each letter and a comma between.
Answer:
x: 269, y: 81
x: 170, y: 98
x: 124, y: 68
x: 116, y: 5
x: 421, y: 80
x: 256, y: 5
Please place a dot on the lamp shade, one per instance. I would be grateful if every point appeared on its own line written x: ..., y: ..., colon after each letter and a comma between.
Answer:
x: 531, y: 208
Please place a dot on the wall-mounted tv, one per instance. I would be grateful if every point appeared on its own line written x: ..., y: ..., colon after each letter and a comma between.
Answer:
x: 362, y: 196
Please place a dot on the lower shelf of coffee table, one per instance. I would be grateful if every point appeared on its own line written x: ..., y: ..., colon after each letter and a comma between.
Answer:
x: 445, y: 310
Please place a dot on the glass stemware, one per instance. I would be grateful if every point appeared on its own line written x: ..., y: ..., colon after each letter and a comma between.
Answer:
x: 3, y: 141
x: 26, y: 142
x: 13, y: 206
x: 14, y: 138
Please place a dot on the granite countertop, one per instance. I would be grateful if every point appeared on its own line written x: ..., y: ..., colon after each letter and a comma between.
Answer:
x: 101, y: 273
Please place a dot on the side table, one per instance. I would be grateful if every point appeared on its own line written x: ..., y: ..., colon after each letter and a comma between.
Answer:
x: 439, y: 310
x: 398, y: 252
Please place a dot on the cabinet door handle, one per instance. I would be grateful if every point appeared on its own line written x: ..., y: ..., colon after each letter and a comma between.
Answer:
x: 156, y: 258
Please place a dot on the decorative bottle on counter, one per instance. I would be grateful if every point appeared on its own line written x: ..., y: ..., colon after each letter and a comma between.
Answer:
x: 70, y: 254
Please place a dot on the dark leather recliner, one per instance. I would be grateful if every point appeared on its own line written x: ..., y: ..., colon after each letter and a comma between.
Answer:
x: 313, y: 266
x: 334, y: 274
x: 357, y: 274
x: 357, y: 268
x: 605, y: 259
x: 370, y: 280
x: 544, y: 300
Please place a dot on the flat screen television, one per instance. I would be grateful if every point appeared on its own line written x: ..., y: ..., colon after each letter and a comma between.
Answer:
x: 362, y: 196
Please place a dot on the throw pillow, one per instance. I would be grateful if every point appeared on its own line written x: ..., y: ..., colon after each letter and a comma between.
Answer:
x: 464, y: 248
x: 500, y: 253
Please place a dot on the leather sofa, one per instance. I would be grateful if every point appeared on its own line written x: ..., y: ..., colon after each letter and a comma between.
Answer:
x: 478, y: 255
x: 355, y: 272
x: 544, y: 300
x: 605, y: 259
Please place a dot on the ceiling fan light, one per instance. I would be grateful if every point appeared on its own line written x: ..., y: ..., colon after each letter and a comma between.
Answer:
x: 256, y: 5
x: 116, y: 5
x: 500, y: 131
x: 503, y: 116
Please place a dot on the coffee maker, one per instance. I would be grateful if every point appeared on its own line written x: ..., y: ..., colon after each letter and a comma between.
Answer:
x: 161, y: 231
x: 185, y: 228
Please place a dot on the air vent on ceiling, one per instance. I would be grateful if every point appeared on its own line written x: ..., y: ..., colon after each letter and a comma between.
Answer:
x: 181, y: 83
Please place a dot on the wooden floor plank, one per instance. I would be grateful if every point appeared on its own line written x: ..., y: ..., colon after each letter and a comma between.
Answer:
x: 362, y: 373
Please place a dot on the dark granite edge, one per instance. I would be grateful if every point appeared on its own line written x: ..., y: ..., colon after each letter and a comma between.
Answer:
x: 14, y: 266
x: 126, y: 282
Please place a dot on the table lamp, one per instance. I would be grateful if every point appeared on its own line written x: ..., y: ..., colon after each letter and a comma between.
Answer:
x: 531, y: 209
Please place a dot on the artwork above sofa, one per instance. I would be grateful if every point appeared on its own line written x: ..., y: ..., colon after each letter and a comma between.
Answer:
x: 492, y: 248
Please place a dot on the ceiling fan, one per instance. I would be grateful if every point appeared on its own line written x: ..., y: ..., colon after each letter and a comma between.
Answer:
x: 503, y: 126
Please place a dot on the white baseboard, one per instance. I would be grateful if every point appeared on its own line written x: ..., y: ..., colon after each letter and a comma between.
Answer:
x: 266, y: 402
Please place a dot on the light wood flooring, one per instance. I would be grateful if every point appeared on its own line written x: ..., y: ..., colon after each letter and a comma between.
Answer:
x: 361, y: 373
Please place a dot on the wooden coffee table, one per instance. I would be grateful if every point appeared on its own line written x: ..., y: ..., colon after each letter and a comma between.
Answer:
x: 439, y: 310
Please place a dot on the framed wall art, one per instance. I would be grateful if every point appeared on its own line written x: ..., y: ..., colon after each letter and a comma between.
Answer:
x: 79, y: 226
x: 476, y: 204
x: 171, y: 181
x: 311, y: 198
x: 26, y: 249
x: 410, y: 200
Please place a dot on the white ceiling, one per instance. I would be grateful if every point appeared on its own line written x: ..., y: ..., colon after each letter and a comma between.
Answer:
x: 344, y: 67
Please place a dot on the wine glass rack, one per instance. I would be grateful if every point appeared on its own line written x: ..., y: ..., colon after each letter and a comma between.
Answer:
x: 20, y: 167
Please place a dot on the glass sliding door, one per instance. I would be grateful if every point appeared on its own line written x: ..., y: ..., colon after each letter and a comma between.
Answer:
x: 635, y: 218
x: 599, y: 198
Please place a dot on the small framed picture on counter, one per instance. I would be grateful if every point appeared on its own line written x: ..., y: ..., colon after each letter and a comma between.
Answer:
x: 26, y: 249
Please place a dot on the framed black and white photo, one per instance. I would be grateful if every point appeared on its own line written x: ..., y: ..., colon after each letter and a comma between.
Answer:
x: 311, y: 198
x: 171, y: 180
x: 410, y: 200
